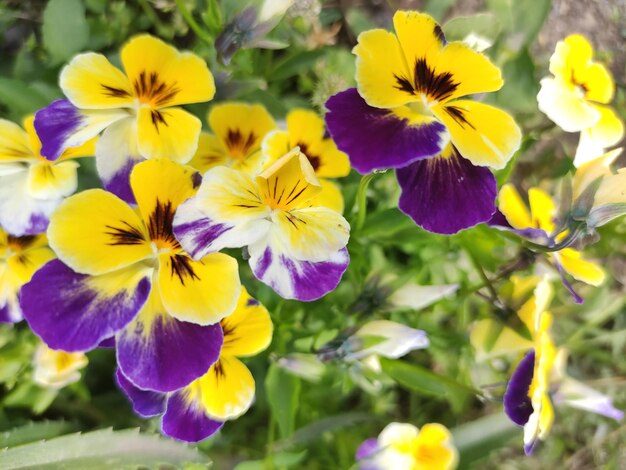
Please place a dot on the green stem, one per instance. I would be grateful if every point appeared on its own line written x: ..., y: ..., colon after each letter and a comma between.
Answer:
x: 481, y: 272
x: 269, y: 464
x: 193, y: 23
x: 147, y: 9
x: 361, y: 199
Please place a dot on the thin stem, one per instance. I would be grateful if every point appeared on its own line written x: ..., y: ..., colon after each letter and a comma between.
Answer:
x: 481, y: 272
x: 202, y: 34
x: 147, y: 9
x: 361, y: 199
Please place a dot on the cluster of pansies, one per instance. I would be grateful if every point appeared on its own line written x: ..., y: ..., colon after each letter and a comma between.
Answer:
x: 139, y: 266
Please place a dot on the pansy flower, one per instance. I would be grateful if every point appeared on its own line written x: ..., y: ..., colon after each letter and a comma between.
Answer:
x: 31, y: 187
x: 527, y: 401
x: 137, y: 109
x: 305, y: 129
x: 407, y: 113
x: 575, y: 96
x: 296, y: 248
x: 122, y: 273
x: 56, y: 369
x: 20, y: 258
x: 538, y: 220
x: 238, y: 130
x: 224, y: 393
x: 402, y: 446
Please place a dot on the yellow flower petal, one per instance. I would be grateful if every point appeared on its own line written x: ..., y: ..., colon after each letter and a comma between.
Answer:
x: 248, y: 330
x: 542, y: 209
x: 15, y: 144
x: 227, y: 389
x: 241, y: 128
x: 587, y: 172
x: 288, y: 183
x: 507, y: 341
x: 434, y: 448
x: 23, y: 265
x: 330, y: 196
x: 160, y: 186
x: 95, y: 232
x: 52, y: 181
x: 566, y: 106
x: 485, y: 135
x: 161, y: 76
x: 581, y: 269
x: 605, y: 133
x: 210, y: 153
x: 90, y: 81
x: 201, y: 292
x: 573, y: 53
x: 169, y: 133
x: 312, y: 233
x: 612, y: 189
x: 513, y: 207
x: 380, y: 67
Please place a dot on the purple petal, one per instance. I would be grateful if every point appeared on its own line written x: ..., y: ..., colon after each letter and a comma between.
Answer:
x: 10, y: 312
x: 185, y: 420
x: 367, y: 448
x: 68, y: 312
x: 197, y: 233
x: 119, y: 184
x: 499, y: 221
x: 517, y: 404
x: 447, y: 194
x: 530, y: 447
x: 294, y: 279
x: 378, y: 139
x: 54, y: 125
x: 157, y: 352
x: 107, y: 343
x: 145, y: 402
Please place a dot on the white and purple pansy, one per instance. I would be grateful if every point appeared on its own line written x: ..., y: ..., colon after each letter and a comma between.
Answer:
x: 297, y: 249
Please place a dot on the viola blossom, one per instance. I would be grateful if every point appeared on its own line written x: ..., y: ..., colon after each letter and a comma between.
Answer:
x: 137, y: 110
x: 56, y: 369
x: 305, y: 129
x: 539, y: 381
x: 599, y: 193
x: 402, y: 446
x: 238, y: 130
x: 224, y: 393
x: 575, y: 96
x: 20, y: 258
x: 296, y: 248
x: 31, y: 187
x: 122, y: 273
x: 538, y: 223
x: 527, y: 400
x: 406, y: 114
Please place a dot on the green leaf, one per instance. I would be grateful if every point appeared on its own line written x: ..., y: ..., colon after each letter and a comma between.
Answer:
x: 528, y: 17
x: 438, y: 8
x: 99, y: 450
x: 65, y: 29
x: 478, y: 438
x: 520, y: 92
x: 385, y: 223
x: 21, y: 98
x: 295, y: 64
x: 34, y: 431
x: 283, y: 391
x: 280, y: 460
x: 425, y: 382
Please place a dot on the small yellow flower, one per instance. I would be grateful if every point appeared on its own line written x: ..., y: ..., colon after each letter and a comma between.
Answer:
x: 56, y: 369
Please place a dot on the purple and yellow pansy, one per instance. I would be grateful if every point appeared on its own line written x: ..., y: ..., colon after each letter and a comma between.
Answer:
x: 295, y: 247
x: 306, y: 130
x: 20, y: 258
x: 406, y: 113
x: 538, y: 221
x: 138, y: 110
x: 238, y: 131
x: 122, y: 273
x: 224, y: 392
x: 31, y: 187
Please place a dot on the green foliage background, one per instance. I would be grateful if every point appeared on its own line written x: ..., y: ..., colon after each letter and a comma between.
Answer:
x: 296, y: 424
